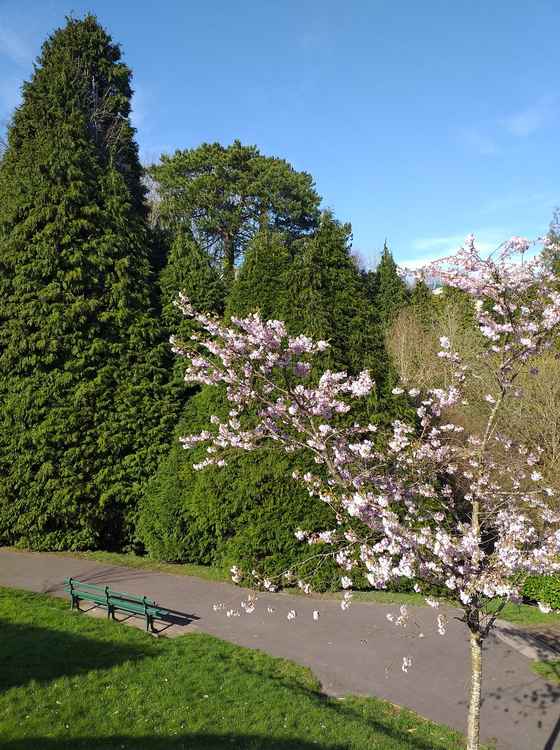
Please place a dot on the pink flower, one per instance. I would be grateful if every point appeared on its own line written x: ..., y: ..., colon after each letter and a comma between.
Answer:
x: 406, y: 663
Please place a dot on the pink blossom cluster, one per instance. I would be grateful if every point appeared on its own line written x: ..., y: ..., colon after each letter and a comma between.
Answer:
x: 516, y: 323
x: 466, y: 512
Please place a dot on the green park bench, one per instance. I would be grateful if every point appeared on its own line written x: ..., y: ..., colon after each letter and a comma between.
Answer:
x: 103, y: 596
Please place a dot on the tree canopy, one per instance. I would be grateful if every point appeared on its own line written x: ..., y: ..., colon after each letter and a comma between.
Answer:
x: 387, y: 290
x: 225, y: 194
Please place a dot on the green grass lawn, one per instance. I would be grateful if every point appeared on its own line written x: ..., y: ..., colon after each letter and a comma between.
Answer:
x: 548, y: 670
x: 72, y: 682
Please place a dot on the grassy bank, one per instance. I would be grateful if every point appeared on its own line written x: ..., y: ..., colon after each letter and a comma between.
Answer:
x: 548, y: 670
x: 72, y: 682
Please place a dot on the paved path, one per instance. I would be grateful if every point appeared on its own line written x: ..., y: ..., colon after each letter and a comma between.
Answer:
x: 357, y: 651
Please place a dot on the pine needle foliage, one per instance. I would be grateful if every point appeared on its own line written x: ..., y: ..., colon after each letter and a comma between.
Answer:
x: 226, y: 194
x: 388, y: 292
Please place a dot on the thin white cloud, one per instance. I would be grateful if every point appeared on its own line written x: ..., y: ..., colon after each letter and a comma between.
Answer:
x: 526, y: 121
x: 415, y: 263
x: 490, y: 138
x: 429, y: 249
x: 516, y: 201
x: 443, y: 243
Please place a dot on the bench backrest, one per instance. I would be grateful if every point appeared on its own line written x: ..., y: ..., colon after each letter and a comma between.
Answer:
x: 87, y: 588
x: 115, y: 597
x: 125, y: 597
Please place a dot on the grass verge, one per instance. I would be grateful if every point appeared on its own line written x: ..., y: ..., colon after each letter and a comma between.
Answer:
x: 548, y: 670
x: 70, y: 682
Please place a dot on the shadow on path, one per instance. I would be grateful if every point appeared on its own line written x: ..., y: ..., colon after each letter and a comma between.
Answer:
x: 107, y: 575
x: 545, y: 644
x: 161, y: 624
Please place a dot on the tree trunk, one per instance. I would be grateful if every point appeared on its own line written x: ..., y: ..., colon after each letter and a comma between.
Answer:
x: 473, y: 729
x: 229, y: 261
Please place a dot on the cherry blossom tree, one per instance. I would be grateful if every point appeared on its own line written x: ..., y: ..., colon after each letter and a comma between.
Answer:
x: 465, y: 513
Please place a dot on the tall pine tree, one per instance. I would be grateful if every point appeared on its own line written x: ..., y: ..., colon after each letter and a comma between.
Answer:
x: 422, y: 301
x: 86, y: 411
x: 387, y: 291
x: 188, y: 270
x: 262, y: 283
x: 329, y: 300
x: 226, y: 194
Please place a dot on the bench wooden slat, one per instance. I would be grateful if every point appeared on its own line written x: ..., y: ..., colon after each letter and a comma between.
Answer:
x: 113, y: 600
x: 131, y: 597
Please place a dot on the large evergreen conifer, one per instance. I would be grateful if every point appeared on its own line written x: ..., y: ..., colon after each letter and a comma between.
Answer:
x: 189, y: 270
x: 226, y: 194
x: 85, y: 408
x: 422, y: 301
x: 388, y: 292
x: 262, y: 283
x: 329, y: 300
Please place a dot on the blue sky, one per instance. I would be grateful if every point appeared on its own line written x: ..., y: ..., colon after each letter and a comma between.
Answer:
x: 420, y: 121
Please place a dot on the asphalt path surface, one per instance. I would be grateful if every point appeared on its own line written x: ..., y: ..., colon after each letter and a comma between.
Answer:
x: 357, y: 651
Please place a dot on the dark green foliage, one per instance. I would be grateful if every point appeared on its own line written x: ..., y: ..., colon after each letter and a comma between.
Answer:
x: 544, y: 589
x: 86, y: 412
x: 262, y: 283
x: 246, y: 513
x: 188, y: 270
x: 226, y: 194
x: 387, y: 291
x: 422, y: 301
x: 329, y: 301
